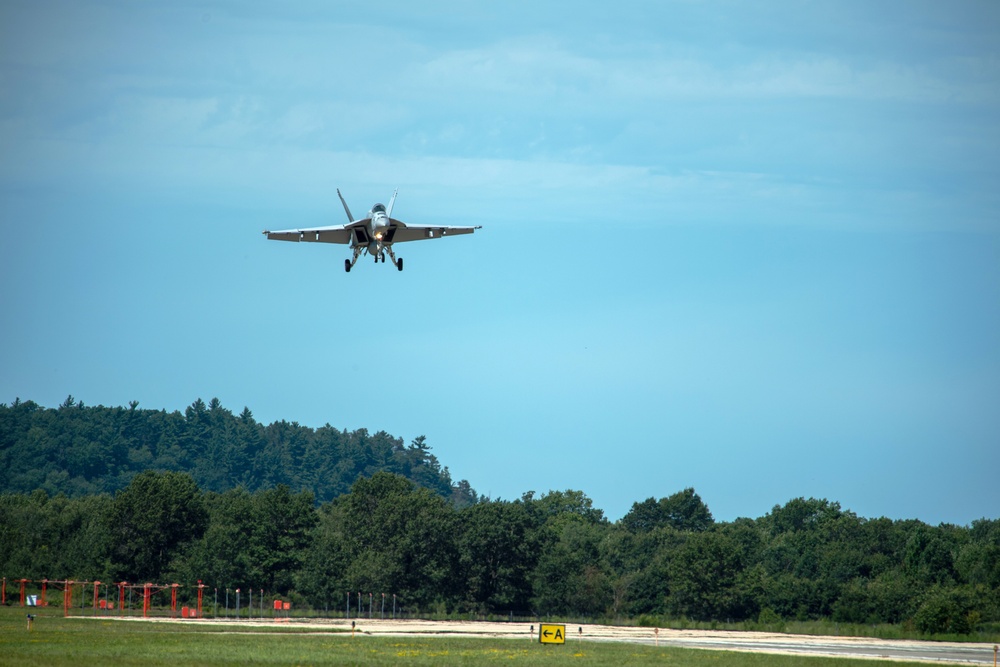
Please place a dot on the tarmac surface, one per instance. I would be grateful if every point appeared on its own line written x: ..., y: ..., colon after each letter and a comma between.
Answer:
x: 950, y: 653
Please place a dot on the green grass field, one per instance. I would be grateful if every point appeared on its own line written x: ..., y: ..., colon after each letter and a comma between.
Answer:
x: 56, y: 641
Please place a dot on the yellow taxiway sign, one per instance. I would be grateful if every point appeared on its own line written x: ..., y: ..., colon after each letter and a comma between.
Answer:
x: 552, y: 633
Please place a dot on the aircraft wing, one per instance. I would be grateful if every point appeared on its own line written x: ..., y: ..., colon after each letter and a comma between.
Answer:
x: 331, y: 234
x: 404, y: 232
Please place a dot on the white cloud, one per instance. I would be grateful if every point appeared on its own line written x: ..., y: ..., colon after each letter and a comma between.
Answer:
x: 303, y: 105
x: 541, y: 71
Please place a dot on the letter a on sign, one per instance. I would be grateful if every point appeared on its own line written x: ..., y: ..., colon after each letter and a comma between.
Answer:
x: 551, y: 633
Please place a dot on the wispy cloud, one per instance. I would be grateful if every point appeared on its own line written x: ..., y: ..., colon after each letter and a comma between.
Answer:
x: 548, y: 73
x: 227, y: 98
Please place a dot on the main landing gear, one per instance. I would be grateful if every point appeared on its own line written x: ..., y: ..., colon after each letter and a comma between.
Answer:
x: 349, y: 263
x: 397, y: 262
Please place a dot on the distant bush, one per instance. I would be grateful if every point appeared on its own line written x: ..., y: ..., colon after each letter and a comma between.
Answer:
x: 946, y: 611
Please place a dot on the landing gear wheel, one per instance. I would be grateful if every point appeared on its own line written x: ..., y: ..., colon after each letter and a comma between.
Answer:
x: 399, y: 263
x: 347, y: 265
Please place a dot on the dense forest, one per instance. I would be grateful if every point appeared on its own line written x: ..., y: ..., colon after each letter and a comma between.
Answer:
x: 77, y: 450
x: 440, y: 548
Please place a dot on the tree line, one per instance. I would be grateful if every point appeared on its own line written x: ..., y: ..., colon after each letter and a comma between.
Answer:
x: 81, y: 450
x: 549, y: 556
x: 392, y: 521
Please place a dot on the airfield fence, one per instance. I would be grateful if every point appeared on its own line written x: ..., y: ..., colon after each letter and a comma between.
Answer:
x: 149, y: 600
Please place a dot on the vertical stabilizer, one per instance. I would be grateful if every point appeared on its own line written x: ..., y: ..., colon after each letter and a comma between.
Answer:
x: 350, y: 218
x: 392, y: 201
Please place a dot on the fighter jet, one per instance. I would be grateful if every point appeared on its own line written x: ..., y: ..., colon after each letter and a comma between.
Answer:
x: 373, y: 235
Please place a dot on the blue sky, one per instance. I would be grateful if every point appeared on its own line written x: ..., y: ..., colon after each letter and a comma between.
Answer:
x: 752, y: 248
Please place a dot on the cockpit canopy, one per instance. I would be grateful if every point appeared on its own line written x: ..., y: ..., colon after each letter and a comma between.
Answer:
x: 378, y: 208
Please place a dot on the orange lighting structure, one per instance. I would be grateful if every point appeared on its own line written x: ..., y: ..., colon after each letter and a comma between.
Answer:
x: 67, y: 596
x: 121, y: 597
x: 201, y: 589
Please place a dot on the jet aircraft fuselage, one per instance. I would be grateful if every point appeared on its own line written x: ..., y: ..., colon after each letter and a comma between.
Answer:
x: 373, y: 235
